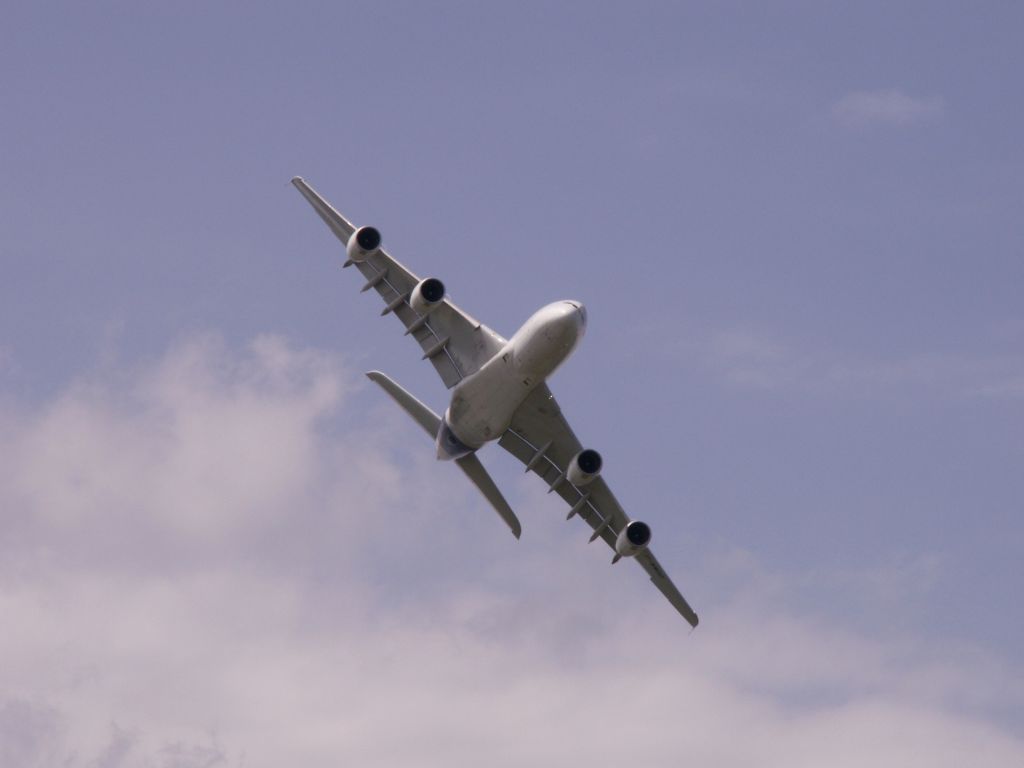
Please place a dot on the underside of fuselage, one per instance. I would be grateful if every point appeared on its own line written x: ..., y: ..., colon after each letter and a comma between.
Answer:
x: 483, y: 404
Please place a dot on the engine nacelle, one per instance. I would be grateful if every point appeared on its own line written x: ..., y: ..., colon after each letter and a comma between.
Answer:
x: 632, y: 539
x: 584, y: 467
x: 426, y: 295
x: 363, y: 244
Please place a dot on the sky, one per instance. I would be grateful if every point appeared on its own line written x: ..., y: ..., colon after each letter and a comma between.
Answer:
x: 797, y: 232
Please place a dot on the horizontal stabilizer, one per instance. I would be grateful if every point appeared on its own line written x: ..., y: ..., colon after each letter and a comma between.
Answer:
x: 470, y: 464
x: 478, y: 475
x: 423, y: 416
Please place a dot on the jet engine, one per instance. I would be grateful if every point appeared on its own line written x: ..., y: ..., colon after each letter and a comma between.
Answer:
x: 584, y: 467
x: 632, y: 539
x: 426, y: 295
x: 363, y: 244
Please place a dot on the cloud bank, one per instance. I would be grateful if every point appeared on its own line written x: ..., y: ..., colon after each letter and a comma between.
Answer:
x: 218, y: 559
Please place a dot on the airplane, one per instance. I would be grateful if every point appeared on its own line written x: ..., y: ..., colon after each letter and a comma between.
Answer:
x: 498, y: 393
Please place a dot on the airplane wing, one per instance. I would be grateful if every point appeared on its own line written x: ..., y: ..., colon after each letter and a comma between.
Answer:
x: 540, y: 437
x: 455, y: 343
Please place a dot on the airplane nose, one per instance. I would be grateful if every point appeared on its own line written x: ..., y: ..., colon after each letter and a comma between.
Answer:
x: 581, y: 311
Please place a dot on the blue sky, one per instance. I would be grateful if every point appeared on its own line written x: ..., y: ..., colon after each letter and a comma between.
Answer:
x: 797, y: 232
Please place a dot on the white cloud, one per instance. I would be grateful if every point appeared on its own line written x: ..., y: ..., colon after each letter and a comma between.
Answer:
x: 271, y: 630
x: 754, y: 360
x: 862, y: 109
x: 29, y: 733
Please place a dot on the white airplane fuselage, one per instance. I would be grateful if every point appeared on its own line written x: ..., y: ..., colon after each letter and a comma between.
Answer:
x: 482, y: 404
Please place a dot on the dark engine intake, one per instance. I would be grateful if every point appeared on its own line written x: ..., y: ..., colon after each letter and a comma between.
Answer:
x: 633, y: 539
x: 363, y: 244
x: 584, y: 467
x: 426, y: 295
